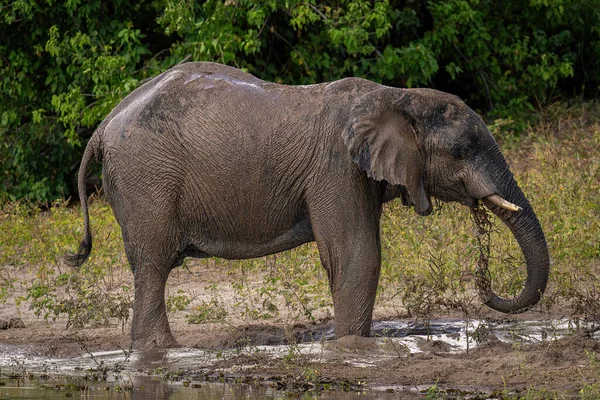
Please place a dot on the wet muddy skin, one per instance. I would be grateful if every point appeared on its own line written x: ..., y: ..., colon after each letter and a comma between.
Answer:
x: 265, y: 363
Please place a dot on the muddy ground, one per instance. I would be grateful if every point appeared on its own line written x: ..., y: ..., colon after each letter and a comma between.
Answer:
x: 506, y: 355
x: 307, y: 360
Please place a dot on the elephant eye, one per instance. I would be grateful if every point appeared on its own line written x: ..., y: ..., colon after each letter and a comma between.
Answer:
x: 465, y: 147
x: 460, y: 152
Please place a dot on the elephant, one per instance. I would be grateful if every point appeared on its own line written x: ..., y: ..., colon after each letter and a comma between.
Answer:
x: 206, y: 160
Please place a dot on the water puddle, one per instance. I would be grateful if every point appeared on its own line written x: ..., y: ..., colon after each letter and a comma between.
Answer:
x: 460, y: 335
x: 149, y: 388
x: 126, y: 374
x: 143, y: 387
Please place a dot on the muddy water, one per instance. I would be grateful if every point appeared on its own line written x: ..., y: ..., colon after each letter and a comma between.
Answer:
x: 145, y: 387
x: 133, y: 375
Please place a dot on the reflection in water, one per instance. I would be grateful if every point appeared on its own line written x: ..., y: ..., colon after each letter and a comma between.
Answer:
x: 136, y: 388
x: 148, y: 388
x: 145, y: 387
x: 151, y: 359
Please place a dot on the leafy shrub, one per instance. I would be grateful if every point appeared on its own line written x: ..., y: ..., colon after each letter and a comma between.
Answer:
x: 178, y: 301
x: 33, y: 242
x: 65, y: 65
x: 213, y: 311
x: 294, y: 280
x: 78, y: 297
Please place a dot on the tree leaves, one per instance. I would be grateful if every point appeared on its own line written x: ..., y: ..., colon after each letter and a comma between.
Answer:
x: 65, y: 65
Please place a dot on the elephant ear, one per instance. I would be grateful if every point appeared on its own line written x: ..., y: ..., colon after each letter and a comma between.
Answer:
x: 382, y: 141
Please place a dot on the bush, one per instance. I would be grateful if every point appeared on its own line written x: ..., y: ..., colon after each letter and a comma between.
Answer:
x: 212, y: 311
x: 80, y: 299
x: 65, y: 65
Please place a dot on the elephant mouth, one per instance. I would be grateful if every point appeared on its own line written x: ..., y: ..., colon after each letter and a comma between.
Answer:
x: 497, y: 200
x: 494, y: 198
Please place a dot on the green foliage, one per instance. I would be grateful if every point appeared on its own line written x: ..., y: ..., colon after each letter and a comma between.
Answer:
x: 79, y: 298
x: 212, y: 311
x: 293, y: 279
x: 65, y: 65
x: 592, y: 390
x: 508, y: 54
x: 178, y: 302
x: 433, y: 392
x: 33, y: 243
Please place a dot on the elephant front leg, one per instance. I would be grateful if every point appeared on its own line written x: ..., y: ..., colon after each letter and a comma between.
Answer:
x: 353, y: 271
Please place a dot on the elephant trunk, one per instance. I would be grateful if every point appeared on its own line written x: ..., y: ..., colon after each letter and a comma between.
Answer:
x: 527, y: 230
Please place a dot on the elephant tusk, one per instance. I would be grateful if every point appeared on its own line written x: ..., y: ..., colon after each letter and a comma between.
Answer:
x: 500, y: 202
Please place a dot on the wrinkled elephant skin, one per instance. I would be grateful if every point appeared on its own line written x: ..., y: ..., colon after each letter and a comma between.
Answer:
x: 206, y: 160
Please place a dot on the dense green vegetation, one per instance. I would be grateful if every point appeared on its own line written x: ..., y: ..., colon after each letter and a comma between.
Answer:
x: 65, y: 64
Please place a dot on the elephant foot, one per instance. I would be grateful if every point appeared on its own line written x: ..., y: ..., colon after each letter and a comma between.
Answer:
x: 364, y: 330
x: 155, y: 342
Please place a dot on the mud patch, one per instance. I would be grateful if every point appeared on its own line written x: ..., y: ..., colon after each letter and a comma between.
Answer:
x: 476, y: 358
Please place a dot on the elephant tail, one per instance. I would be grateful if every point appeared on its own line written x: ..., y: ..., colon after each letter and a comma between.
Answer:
x: 92, y: 151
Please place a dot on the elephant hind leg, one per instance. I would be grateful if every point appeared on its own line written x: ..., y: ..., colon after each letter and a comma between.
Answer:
x: 151, y: 263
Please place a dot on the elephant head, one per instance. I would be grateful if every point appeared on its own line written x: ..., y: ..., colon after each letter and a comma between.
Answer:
x: 430, y: 144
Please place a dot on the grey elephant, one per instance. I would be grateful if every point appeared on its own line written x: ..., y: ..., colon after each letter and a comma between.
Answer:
x: 206, y: 160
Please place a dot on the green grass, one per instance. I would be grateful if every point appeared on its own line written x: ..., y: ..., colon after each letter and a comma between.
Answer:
x: 32, y: 270
x: 428, y: 263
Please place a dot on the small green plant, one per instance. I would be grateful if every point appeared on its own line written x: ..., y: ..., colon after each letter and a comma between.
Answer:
x: 292, y: 355
x: 178, y: 302
x: 6, y: 286
x: 433, y: 392
x: 212, y: 311
x: 590, y: 392
x: 480, y: 333
x: 594, y: 364
x: 541, y: 394
x: 293, y: 280
x: 80, y: 299
x: 303, y: 374
x: 37, y: 237
x: 310, y: 374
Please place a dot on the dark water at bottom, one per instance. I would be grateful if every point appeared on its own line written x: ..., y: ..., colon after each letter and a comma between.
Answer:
x: 145, y: 387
